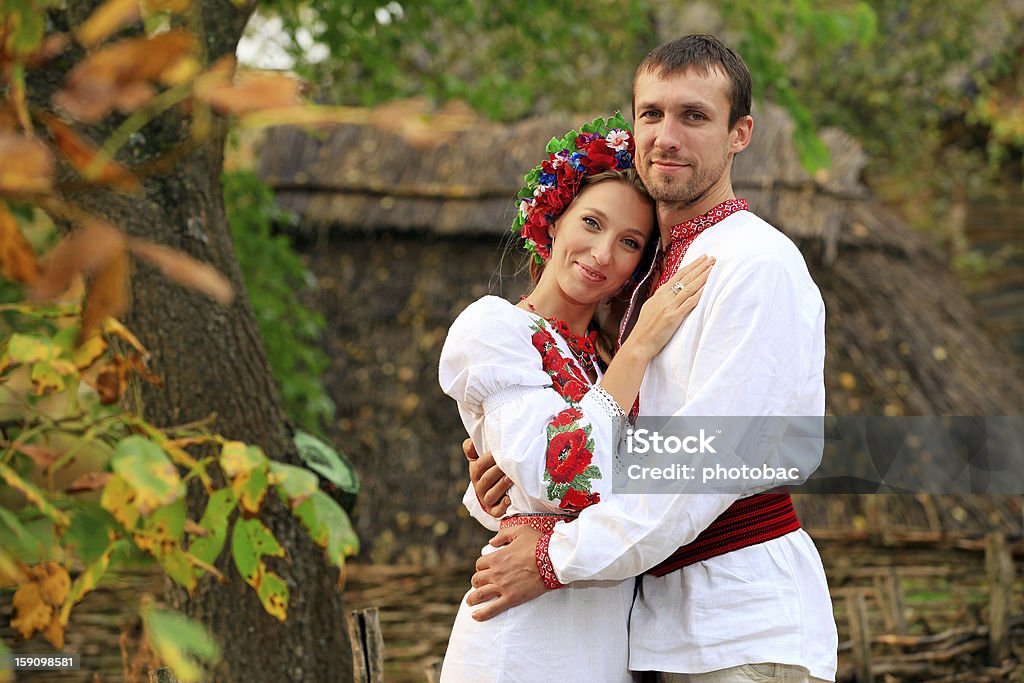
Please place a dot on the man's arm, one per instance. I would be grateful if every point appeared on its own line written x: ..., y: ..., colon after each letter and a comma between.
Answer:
x: 488, y: 482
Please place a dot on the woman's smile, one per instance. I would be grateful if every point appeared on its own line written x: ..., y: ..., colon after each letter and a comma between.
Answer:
x: 591, y: 274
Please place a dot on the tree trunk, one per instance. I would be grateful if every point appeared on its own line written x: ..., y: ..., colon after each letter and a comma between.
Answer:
x: 212, y: 360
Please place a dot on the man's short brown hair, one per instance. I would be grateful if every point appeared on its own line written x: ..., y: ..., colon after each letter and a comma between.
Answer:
x: 705, y: 53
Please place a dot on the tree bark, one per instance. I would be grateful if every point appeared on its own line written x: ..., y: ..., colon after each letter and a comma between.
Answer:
x: 212, y: 360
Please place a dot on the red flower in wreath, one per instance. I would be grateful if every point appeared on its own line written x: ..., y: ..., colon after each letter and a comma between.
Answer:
x: 567, y: 455
x: 600, y: 157
x: 566, y: 417
x: 575, y: 501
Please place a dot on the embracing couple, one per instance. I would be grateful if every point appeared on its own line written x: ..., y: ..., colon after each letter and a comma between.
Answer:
x: 656, y: 292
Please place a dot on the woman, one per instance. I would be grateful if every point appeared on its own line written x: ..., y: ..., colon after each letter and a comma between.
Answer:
x: 537, y: 387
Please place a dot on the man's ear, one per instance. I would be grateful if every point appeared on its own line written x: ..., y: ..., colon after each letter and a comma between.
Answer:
x: 740, y: 134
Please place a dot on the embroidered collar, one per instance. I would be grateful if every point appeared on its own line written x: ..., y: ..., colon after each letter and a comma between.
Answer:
x: 682, y: 235
x: 687, y: 230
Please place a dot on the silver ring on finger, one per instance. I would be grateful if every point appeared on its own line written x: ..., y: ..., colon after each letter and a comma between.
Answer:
x: 678, y: 287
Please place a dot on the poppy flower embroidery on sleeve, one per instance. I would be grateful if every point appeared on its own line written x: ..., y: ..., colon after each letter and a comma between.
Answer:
x: 568, y: 467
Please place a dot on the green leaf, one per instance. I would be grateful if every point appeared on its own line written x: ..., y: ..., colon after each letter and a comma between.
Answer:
x: 329, y: 527
x: 89, y: 534
x: 328, y: 462
x: 149, y: 471
x: 273, y: 593
x: 167, y: 524
x: 250, y: 541
x: 177, y: 566
x: 250, y: 488
x: 215, y: 521
x: 295, y: 484
x: 17, y: 538
x: 23, y: 348
x: 180, y: 642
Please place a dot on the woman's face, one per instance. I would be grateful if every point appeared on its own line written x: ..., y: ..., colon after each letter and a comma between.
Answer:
x: 599, y: 240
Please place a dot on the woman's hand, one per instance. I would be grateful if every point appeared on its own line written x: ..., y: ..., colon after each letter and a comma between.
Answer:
x: 662, y: 314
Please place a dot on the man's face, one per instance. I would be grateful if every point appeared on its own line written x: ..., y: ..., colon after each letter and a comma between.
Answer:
x: 684, y: 145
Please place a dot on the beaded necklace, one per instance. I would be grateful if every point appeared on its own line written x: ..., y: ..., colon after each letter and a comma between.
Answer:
x: 581, y: 346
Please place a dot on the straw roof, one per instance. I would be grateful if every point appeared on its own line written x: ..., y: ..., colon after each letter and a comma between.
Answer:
x: 903, y: 336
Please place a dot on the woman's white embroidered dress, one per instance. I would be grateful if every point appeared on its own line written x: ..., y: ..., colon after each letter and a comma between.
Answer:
x: 512, y: 375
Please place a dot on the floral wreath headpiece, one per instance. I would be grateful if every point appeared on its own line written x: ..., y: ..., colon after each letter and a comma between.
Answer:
x: 601, y: 145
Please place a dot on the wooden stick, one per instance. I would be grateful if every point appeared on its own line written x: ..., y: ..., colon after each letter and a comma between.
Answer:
x: 999, y: 567
x: 856, y: 607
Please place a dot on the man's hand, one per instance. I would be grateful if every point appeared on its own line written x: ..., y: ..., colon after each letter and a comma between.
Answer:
x: 489, y: 482
x: 508, y: 575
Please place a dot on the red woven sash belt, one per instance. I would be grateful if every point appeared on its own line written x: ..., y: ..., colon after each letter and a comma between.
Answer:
x: 747, y: 522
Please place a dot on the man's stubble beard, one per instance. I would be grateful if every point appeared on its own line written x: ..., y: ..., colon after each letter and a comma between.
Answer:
x: 693, y: 191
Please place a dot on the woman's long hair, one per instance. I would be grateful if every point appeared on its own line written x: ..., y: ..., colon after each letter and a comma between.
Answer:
x: 606, y: 340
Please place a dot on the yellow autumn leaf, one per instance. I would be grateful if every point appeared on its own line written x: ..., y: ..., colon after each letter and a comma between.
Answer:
x: 80, y: 252
x: 52, y: 376
x: 17, y: 258
x: 89, y: 351
x: 82, y: 155
x: 108, y: 293
x: 114, y: 328
x: 237, y: 457
x: 33, y: 614
x: 54, y: 583
x: 250, y: 488
x: 148, y: 470
x: 108, y: 18
x: 185, y: 270
x: 35, y: 168
x: 54, y: 632
x: 118, y: 499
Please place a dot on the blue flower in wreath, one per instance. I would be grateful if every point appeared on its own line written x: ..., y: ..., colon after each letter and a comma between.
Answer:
x: 624, y: 158
x: 576, y: 160
x: 547, y: 178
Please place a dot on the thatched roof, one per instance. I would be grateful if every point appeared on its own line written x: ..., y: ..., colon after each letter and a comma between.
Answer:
x: 903, y: 336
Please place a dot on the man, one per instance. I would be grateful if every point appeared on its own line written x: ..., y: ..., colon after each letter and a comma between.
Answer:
x: 746, y: 599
